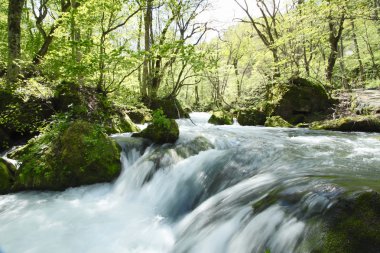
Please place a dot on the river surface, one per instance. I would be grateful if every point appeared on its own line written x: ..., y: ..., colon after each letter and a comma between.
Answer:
x: 220, y: 189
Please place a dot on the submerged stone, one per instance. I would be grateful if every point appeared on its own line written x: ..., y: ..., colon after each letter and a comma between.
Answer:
x: 221, y: 118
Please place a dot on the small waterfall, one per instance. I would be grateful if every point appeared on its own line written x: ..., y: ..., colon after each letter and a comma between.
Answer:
x: 219, y: 189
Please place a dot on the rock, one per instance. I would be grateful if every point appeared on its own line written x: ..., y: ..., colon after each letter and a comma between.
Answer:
x: 162, y: 130
x: 193, y: 147
x: 353, y: 225
x: 67, y: 155
x: 251, y: 117
x: 349, y: 124
x: 120, y: 122
x: 300, y: 101
x: 7, y: 173
x: 276, y: 121
x: 160, y: 134
x: 171, y: 108
x: 139, y: 115
x: 221, y: 118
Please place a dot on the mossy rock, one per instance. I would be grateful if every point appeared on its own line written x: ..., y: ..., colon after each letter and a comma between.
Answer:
x: 350, y: 124
x: 7, y: 173
x: 300, y: 100
x: 139, y: 115
x: 251, y: 117
x: 171, y: 107
x: 353, y: 225
x: 120, y: 122
x: 221, y: 118
x: 276, y: 121
x: 67, y: 155
x: 160, y: 133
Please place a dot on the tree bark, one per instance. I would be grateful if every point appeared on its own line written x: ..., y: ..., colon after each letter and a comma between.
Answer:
x: 14, y: 39
x: 333, y: 41
x: 357, y: 51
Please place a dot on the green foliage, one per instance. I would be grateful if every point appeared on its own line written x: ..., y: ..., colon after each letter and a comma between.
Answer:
x: 160, y: 120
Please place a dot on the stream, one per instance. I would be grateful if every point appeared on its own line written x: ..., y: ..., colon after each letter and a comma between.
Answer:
x: 219, y: 189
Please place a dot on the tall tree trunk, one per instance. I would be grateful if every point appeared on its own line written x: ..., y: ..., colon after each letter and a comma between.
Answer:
x: 333, y: 41
x: 147, y: 40
x: 139, y: 71
x: 357, y: 51
x: 342, y: 66
x: 14, y: 39
x: 196, y: 95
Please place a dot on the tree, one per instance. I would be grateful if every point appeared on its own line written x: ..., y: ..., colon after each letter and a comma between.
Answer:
x: 15, y: 8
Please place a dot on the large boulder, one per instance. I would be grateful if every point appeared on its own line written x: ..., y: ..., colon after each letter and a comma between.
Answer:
x: 353, y: 225
x: 7, y: 174
x: 170, y: 106
x: 67, y: 155
x: 300, y: 100
x: 276, y: 121
x: 251, y: 117
x: 221, y: 118
x: 161, y: 130
x: 349, y: 124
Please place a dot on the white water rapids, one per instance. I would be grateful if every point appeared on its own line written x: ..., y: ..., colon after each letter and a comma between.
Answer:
x: 220, y: 189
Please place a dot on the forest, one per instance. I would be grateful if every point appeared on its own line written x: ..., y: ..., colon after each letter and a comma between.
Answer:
x: 154, y: 101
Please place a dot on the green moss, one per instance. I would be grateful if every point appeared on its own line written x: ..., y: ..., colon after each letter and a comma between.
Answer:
x: 251, y: 117
x: 300, y: 100
x: 139, y: 115
x: 7, y: 171
x: 162, y: 130
x: 353, y: 225
x: 221, y: 118
x: 120, y: 123
x: 349, y: 124
x: 67, y: 155
x: 276, y: 121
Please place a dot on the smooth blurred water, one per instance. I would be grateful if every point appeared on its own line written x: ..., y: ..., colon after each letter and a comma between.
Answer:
x: 220, y: 189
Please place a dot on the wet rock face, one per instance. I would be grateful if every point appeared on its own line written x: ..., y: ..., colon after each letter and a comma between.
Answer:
x: 353, y: 225
x: 301, y: 101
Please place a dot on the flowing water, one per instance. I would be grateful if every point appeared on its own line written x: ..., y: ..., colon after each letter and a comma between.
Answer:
x: 220, y: 189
